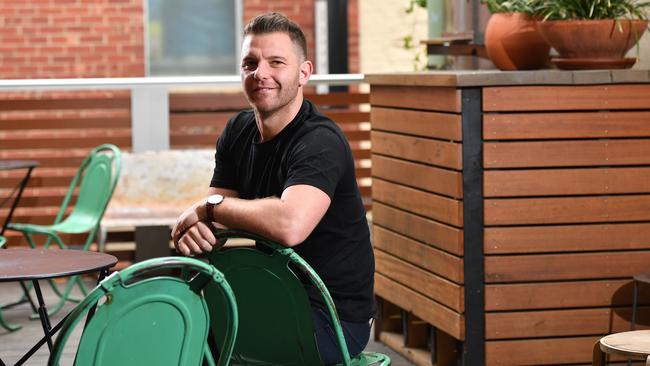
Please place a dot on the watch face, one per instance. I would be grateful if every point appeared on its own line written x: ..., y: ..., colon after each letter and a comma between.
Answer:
x: 215, y: 199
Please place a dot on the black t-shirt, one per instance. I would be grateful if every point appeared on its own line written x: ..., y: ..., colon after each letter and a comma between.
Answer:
x: 310, y: 150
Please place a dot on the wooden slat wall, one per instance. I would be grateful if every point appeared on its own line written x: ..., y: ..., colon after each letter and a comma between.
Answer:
x: 567, y: 218
x: 417, y: 202
x: 58, y: 129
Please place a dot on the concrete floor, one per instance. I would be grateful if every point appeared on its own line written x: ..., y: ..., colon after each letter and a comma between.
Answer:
x: 14, y: 344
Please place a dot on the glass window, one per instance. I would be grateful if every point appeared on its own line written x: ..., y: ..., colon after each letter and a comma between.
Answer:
x: 192, y: 37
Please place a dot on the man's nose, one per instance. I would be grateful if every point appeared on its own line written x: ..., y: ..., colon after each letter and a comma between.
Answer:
x: 262, y: 71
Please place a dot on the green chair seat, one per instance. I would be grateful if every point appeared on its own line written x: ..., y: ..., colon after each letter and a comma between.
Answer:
x: 146, y: 320
x: 276, y: 326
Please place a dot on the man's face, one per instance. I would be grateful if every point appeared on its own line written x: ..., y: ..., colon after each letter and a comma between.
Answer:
x: 272, y: 71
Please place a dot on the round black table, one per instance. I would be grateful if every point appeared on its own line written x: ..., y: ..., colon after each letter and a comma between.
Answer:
x: 33, y: 264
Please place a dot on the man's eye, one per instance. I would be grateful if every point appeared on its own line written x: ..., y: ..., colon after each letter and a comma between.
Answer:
x: 277, y: 63
x: 248, y: 66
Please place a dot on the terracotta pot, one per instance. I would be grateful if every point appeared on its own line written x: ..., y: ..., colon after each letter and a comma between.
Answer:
x: 513, y: 43
x: 592, y: 39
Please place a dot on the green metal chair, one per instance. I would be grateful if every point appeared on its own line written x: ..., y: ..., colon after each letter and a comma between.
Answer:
x: 3, y: 323
x: 275, y: 313
x: 147, y: 320
x: 96, y: 179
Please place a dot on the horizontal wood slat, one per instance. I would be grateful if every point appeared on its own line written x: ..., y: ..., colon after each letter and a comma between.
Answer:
x: 444, y: 126
x: 561, y: 323
x: 65, y: 122
x: 440, y: 153
x: 564, y: 294
x: 519, y: 126
x: 117, y: 138
x: 565, y: 182
x: 421, y: 281
x: 207, y: 101
x: 445, y: 210
x: 566, y: 153
x: 435, y: 234
x: 196, y: 119
x: 429, y: 178
x: 574, y: 266
x: 215, y: 118
x: 546, y: 351
x: 574, y: 97
x: 436, y: 261
x: 74, y: 103
x: 566, y: 238
x: 566, y: 210
x: 338, y: 98
x: 426, y: 309
x: 417, y: 97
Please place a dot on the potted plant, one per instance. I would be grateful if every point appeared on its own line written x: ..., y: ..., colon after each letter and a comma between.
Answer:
x: 592, y: 34
x: 512, y: 40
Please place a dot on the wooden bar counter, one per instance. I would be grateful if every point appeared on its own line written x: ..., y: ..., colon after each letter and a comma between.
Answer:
x: 510, y: 212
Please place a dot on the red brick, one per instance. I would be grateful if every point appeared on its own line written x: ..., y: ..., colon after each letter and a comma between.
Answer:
x: 11, y: 40
x: 91, y: 38
x: 38, y: 59
x: 37, y: 40
x: 63, y: 59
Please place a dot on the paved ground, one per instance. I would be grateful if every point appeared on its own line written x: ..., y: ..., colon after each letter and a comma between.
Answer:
x: 14, y: 344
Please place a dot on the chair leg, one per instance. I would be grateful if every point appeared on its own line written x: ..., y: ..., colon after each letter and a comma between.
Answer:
x: 29, y: 239
x: 598, y: 355
x: 8, y: 326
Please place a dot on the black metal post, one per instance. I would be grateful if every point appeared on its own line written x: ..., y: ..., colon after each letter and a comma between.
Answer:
x: 433, y: 343
x: 337, y: 39
x: 472, y: 122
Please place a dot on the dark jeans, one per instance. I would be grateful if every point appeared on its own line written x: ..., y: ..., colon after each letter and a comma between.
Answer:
x: 356, y: 337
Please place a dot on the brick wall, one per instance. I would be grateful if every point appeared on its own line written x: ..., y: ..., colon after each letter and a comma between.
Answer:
x: 71, y: 38
x: 302, y: 12
x: 105, y: 38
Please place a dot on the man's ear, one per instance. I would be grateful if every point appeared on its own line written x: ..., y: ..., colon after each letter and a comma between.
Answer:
x: 306, y: 69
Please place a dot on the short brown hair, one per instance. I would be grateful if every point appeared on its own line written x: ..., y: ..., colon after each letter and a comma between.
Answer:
x: 276, y: 22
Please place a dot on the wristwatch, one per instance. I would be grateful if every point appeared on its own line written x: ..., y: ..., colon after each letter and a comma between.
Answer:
x: 212, y: 201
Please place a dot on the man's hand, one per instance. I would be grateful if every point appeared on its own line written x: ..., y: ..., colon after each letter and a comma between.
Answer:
x: 191, y: 234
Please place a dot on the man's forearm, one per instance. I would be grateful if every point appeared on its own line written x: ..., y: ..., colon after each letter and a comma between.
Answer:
x: 268, y: 217
x: 288, y: 220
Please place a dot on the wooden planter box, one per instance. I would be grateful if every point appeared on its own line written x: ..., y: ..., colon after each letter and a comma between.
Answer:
x: 510, y: 210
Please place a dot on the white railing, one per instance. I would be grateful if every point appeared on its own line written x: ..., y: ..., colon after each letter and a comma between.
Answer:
x: 150, y: 97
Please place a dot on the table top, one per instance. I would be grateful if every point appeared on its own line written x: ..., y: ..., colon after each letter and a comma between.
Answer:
x: 634, y: 344
x: 17, y: 164
x: 34, y: 264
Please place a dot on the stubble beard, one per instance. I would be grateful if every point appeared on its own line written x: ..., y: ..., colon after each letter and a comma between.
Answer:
x: 271, y: 104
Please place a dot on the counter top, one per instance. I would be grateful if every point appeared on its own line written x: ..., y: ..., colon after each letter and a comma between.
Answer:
x: 463, y: 78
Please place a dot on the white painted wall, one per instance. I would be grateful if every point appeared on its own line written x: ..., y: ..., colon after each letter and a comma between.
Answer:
x: 383, y: 25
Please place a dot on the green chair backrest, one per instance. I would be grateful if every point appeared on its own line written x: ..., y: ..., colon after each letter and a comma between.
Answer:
x: 275, y: 325
x: 3, y: 240
x: 160, y: 320
x: 97, y: 178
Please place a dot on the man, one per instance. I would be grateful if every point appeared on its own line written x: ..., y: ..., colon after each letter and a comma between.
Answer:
x: 286, y: 172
